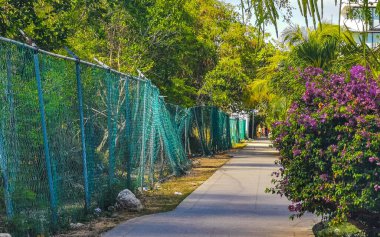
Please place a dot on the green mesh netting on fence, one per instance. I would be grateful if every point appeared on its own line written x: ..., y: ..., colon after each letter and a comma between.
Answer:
x: 209, y: 131
x: 204, y: 130
x: 238, y: 128
x: 73, y: 134
x: 242, y: 129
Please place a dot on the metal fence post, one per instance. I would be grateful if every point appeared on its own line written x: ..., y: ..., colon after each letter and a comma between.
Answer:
x: 83, y: 136
x: 185, y: 137
x: 151, y: 142
x: 188, y: 127
x: 128, y: 133
x: 228, y: 131
x: 3, y: 156
x: 200, y: 133
x: 4, y: 171
x: 110, y: 125
x: 142, y: 154
x: 53, y: 204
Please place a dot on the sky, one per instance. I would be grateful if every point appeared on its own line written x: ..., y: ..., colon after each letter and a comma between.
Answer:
x: 330, y: 14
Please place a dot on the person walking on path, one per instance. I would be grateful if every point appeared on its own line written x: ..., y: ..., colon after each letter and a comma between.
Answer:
x: 259, y: 131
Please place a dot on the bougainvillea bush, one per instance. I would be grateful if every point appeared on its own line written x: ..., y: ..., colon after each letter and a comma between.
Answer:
x: 330, y: 147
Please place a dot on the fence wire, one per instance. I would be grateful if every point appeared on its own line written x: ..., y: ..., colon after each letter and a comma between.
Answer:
x: 73, y: 134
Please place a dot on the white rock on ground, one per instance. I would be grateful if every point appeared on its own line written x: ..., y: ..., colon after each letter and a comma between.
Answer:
x: 5, y: 235
x: 127, y: 200
x: 73, y: 226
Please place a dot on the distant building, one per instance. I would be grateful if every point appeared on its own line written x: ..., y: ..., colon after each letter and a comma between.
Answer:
x: 350, y: 18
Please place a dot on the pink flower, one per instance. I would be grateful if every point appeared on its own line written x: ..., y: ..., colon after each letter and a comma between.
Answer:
x: 358, y: 72
x: 295, y: 207
x: 334, y: 148
x: 296, y: 152
x: 324, y: 177
x: 377, y: 187
x: 372, y: 159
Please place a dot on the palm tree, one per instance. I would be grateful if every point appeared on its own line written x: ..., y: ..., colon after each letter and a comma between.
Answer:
x: 294, y: 34
x: 268, y: 11
x: 320, y: 47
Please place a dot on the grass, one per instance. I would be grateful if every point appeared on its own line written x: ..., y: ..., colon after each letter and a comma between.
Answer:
x: 162, y: 199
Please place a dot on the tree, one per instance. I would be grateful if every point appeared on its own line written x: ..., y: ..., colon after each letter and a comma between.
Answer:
x: 320, y: 47
x: 45, y: 21
x: 237, y: 64
x: 270, y: 91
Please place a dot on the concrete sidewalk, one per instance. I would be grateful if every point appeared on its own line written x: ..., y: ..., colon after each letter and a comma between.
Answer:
x: 230, y: 203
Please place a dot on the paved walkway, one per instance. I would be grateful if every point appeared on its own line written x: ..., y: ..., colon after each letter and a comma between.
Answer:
x: 230, y: 203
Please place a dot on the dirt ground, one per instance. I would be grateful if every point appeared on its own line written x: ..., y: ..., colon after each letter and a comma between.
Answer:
x: 162, y: 199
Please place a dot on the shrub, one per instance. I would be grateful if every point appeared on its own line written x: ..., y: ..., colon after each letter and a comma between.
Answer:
x: 345, y: 229
x: 330, y: 147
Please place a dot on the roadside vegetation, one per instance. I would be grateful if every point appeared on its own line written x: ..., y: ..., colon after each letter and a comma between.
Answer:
x: 164, y: 197
x: 316, y: 84
x: 321, y: 93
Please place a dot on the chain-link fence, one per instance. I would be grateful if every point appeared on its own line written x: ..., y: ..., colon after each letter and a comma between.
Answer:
x: 238, y: 128
x: 74, y: 134
x: 204, y: 130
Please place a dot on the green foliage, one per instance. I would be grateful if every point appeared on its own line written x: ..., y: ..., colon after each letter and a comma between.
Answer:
x: 329, y: 147
x: 108, y: 196
x: 345, y: 229
x: 45, y: 20
x: 224, y: 85
x: 181, y: 45
x: 267, y: 12
x: 24, y: 225
x: 319, y: 48
x: 273, y: 86
x: 275, y: 83
x: 129, y: 135
x: 234, y: 62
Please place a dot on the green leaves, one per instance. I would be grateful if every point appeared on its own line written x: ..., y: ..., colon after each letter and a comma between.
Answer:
x: 328, y: 151
x: 224, y: 85
x: 265, y: 11
x: 268, y: 11
x: 185, y: 47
